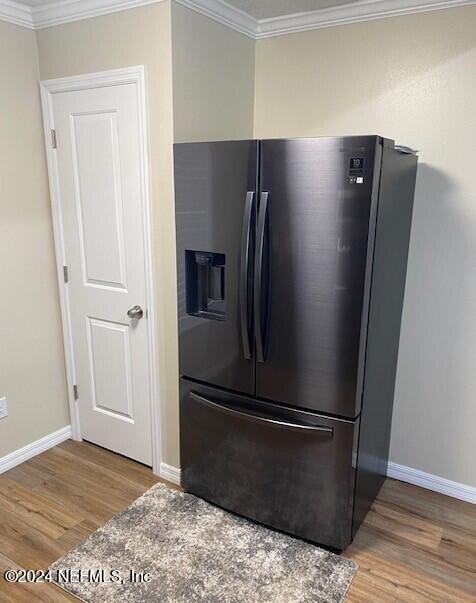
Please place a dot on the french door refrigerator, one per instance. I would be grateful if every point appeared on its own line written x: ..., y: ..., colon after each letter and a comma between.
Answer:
x: 291, y: 258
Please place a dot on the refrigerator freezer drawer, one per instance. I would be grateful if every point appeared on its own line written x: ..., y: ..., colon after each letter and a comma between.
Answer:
x: 287, y: 469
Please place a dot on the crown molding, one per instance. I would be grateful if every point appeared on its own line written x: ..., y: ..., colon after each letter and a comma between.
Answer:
x: 64, y: 11
x: 353, y: 12
x: 224, y: 13
x: 16, y: 13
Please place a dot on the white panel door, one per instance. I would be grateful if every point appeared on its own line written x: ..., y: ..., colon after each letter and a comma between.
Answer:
x: 101, y: 199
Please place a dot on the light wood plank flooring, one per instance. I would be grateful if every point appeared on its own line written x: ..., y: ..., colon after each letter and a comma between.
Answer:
x: 414, y: 546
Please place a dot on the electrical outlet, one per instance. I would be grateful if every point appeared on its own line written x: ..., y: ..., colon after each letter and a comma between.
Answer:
x: 3, y: 408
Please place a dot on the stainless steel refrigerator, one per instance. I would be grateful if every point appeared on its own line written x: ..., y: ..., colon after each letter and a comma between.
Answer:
x: 291, y: 258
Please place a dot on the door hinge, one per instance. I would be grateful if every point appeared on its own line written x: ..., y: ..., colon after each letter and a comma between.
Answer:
x: 65, y: 274
x: 75, y: 392
x: 54, y: 142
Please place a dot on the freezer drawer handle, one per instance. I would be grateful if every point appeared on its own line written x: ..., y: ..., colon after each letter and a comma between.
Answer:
x: 258, y: 284
x: 244, y: 270
x: 328, y: 431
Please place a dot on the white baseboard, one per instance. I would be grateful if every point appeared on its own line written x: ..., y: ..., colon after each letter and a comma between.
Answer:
x: 30, y: 450
x: 171, y: 474
x: 432, y: 482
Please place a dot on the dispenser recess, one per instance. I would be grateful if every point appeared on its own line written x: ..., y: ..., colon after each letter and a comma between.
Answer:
x: 205, y: 284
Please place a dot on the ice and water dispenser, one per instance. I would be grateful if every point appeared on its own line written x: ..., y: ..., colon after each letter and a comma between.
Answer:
x: 205, y: 284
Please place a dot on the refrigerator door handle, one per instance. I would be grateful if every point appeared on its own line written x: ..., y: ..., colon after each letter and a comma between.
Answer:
x: 258, y: 284
x: 327, y: 431
x: 244, y: 269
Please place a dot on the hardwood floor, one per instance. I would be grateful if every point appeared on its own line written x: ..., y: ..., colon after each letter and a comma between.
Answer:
x: 414, y: 546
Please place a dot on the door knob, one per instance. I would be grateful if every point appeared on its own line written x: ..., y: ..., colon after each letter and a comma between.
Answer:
x: 135, y: 312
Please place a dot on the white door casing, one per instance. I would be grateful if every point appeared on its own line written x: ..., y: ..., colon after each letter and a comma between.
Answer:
x: 99, y: 189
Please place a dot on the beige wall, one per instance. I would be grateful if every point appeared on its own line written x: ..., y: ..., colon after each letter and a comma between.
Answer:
x: 213, y: 79
x: 140, y: 36
x: 32, y: 373
x: 411, y: 78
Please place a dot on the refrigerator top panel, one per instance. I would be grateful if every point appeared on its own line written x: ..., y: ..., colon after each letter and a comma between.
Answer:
x: 316, y: 225
x: 215, y: 185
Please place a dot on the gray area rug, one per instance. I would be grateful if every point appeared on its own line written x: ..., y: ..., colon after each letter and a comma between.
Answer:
x: 194, y: 551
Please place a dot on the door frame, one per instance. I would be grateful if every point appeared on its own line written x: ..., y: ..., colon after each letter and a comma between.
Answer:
x: 48, y: 88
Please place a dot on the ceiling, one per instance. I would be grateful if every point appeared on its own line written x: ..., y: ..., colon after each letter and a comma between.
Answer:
x: 265, y: 9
